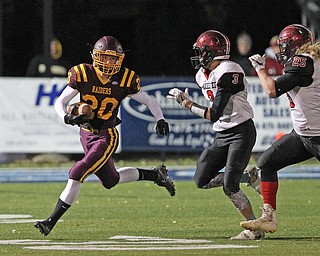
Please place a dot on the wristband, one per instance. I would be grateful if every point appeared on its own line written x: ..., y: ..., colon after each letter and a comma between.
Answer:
x: 198, y: 110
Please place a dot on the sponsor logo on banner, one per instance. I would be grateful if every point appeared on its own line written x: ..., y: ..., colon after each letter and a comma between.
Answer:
x: 187, y: 131
x: 30, y: 123
x: 191, y: 133
x: 271, y: 115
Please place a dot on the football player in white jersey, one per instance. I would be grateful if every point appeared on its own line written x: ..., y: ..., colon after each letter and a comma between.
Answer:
x: 301, y: 82
x: 224, y: 84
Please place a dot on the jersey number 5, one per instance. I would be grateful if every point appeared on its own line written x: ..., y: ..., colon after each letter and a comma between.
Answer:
x: 299, y: 62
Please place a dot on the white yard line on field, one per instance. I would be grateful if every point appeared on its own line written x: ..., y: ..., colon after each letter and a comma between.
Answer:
x: 115, y: 243
x: 123, y: 243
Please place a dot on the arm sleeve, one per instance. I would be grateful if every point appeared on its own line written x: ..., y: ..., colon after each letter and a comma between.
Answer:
x: 220, y: 102
x: 143, y: 98
x: 62, y: 101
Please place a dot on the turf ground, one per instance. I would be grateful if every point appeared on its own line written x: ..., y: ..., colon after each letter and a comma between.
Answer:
x: 142, y: 219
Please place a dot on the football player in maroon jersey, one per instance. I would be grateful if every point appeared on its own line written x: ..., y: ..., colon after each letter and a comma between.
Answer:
x: 103, y: 85
x: 224, y: 84
x: 301, y: 83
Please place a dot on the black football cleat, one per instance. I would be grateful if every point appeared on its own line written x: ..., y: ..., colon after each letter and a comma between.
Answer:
x: 43, y: 227
x: 163, y: 180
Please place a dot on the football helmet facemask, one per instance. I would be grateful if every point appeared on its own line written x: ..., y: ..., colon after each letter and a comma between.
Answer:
x: 210, y: 45
x: 291, y: 38
x: 105, y: 48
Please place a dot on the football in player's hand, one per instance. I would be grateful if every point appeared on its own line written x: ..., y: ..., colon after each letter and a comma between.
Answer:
x: 80, y: 108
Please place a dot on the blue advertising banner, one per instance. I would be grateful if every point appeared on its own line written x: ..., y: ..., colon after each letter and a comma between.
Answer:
x: 30, y: 124
x: 188, y: 133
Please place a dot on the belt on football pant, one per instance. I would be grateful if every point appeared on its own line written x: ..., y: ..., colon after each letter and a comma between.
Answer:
x: 88, y: 128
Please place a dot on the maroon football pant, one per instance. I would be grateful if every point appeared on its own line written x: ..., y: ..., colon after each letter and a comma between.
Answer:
x: 98, y: 150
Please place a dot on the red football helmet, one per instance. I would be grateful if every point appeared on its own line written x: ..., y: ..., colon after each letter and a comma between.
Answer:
x: 291, y: 38
x: 210, y: 45
x: 104, y: 48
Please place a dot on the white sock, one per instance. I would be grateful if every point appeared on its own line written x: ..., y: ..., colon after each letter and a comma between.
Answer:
x: 71, y: 191
x: 128, y: 174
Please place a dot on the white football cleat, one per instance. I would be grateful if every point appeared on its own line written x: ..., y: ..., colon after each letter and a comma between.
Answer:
x: 267, y: 222
x: 249, y: 235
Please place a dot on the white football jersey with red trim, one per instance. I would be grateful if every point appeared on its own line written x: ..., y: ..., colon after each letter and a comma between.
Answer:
x: 305, y: 103
x: 238, y: 109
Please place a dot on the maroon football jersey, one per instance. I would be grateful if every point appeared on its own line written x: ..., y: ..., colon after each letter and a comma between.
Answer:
x: 104, y: 98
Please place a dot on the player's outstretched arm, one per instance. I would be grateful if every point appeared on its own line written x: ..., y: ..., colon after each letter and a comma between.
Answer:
x: 142, y: 97
x: 183, y: 99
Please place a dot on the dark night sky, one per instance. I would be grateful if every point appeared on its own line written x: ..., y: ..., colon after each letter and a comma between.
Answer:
x: 158, y: 33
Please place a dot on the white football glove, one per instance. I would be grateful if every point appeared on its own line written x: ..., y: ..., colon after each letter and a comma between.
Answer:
x: 181, y: 97
x: 258, y: 62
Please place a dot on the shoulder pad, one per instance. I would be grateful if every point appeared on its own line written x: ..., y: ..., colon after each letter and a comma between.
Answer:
x: 231, y: 82
x: 301, y: 64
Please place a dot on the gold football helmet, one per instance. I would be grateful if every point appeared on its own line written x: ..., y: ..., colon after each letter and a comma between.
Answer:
x: 106, y: 48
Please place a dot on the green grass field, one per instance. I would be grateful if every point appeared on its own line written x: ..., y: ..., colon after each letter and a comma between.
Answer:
x: 144, y: 209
